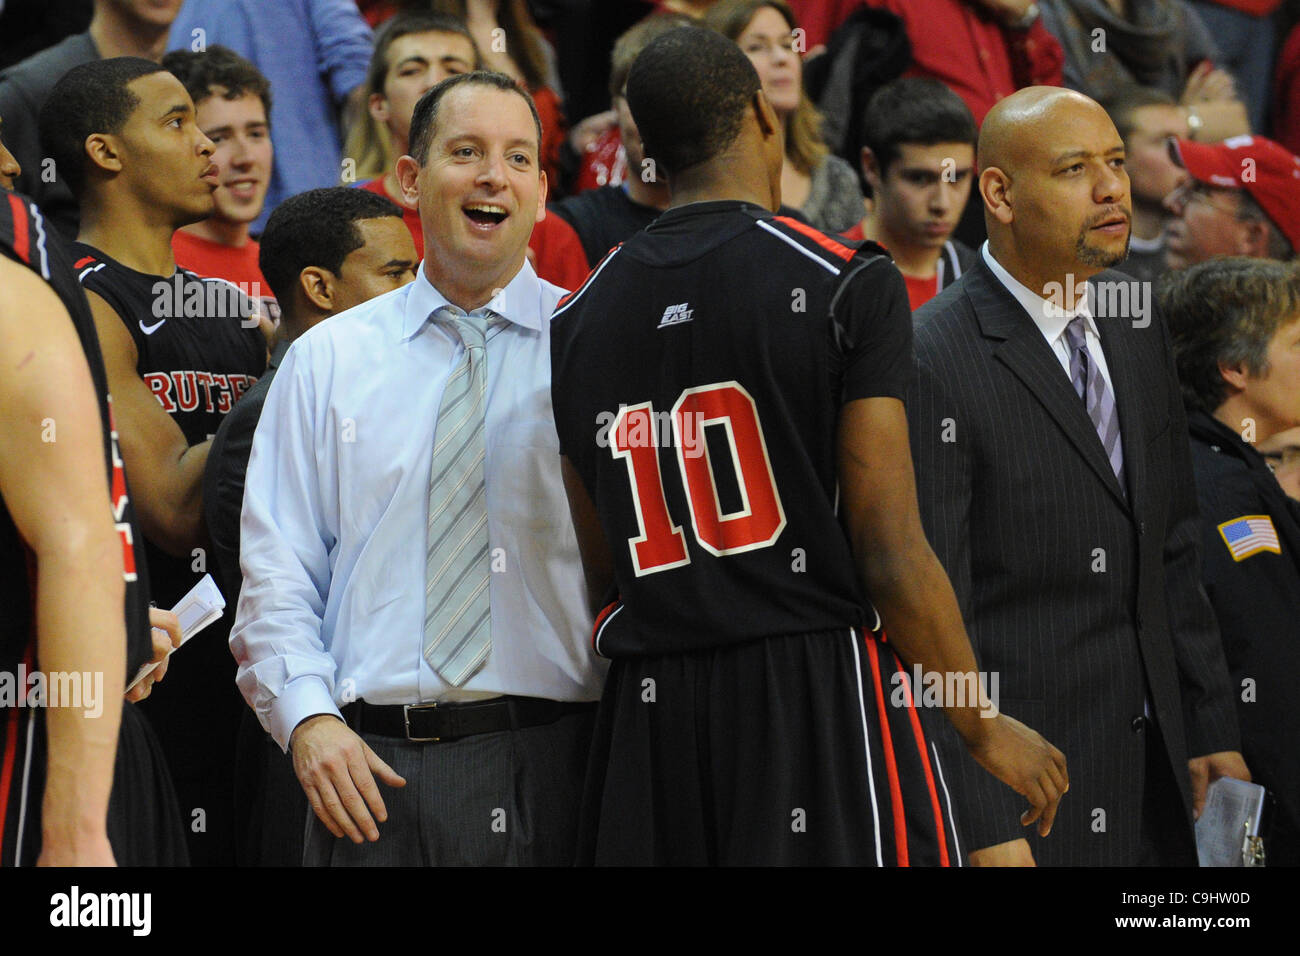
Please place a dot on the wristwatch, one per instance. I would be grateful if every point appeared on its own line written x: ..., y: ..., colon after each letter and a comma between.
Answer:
x: 1026, y: 19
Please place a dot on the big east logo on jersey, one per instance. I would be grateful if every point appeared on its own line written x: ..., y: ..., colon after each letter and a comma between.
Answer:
x: 180, y: 391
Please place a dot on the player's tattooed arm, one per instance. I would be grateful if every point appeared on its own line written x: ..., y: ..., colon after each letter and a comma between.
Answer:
x: 597, y: 561
x: 54, y: 483
x: 908, y: 586
x: 166, y: 472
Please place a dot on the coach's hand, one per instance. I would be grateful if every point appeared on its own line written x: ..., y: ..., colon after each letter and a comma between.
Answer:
x: 1028, y: 764
x: 1011, y: 853
x: 335, y: 768
x: 1205, y: 770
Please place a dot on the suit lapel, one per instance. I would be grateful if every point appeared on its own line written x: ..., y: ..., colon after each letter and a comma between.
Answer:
x: 1124, y: 377
x: 1021, y: 347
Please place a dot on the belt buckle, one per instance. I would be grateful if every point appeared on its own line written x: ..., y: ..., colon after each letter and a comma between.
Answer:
x: 406, y: 717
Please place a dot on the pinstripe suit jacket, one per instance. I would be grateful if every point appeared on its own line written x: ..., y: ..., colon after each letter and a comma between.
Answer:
x: 1084, y: 597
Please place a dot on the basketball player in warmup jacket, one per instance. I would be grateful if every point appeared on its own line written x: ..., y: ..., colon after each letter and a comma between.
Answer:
x: 179, y: 352
x: 54, y: 543
x: 713, y: 378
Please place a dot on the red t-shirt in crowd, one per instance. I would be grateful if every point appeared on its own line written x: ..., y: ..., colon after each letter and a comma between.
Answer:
x: 919, y: 291
x: 965, y: 48
x: 237, y: 264
x: 557, y: 250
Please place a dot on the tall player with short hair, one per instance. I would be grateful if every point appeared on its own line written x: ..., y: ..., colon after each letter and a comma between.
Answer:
x: 179, y: 351
x: 749, y: 715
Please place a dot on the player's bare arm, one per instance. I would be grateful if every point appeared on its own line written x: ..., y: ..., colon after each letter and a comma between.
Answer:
x: 337, y: 771
x: 166, y: 472
x: 909, y: 588
x: 53, y: 480
x: 597, y: 562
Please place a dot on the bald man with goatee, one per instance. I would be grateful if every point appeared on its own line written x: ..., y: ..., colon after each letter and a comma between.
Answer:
x: 1052, y: 468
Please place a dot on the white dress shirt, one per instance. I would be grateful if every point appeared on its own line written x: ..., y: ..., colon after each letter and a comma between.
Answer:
x: 336, y: 505
x: 1052, y: 319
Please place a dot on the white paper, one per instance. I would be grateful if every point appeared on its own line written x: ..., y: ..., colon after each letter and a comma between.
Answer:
x: 199, y: 608
x: 1221, y: 830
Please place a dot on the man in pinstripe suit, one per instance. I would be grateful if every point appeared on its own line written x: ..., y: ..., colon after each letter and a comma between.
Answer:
x: 1055, y: 485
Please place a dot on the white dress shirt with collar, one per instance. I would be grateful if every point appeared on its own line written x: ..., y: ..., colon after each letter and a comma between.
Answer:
x: 336, y: 504
x: 1052, y: 320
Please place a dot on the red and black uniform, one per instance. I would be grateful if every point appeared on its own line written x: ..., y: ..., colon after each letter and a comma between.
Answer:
x: 143, y: 823
x: 698, y: 378
x: 199, y: 350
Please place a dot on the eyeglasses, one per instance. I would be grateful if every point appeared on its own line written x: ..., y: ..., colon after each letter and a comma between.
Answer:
x: 1195, y: 191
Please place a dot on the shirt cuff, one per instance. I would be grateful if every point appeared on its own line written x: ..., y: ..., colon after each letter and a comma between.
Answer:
x: 299, y: 700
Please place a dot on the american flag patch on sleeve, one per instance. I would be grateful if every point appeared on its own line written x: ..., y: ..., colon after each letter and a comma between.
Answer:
x: 1249, y: 534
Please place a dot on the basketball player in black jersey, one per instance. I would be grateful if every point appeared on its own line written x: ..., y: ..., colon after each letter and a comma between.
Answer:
x: 179, y: 352
x: 726, y: 391
x: 72, y: 583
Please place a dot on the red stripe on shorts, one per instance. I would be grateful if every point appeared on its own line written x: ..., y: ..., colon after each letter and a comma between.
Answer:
x: 895, y: 794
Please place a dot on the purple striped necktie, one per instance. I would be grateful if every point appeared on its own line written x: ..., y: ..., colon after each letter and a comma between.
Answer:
x: 1091, y: 387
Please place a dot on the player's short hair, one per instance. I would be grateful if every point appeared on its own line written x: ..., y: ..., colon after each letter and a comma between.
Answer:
x: 689, y: 91
x: 424, y: 122
x: 914, y: 111
x: 633, y: 41
x: 1225, y: 311
x: 1122, y: 107
x: 219, y: 67
x: 315, y: 228
x: 90, y: 98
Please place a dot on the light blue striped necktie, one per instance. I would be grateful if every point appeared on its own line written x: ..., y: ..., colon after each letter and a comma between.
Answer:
x: 1090, y: 386
x: 457, y: 611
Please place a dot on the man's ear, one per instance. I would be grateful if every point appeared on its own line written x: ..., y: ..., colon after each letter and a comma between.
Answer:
x: 408, y: 170
x: 870, y: 168
x: 104, y: 151
x: 1235, y: 376
x: 541, y: 197
x: 995, y: 189
x: 1252, y: 241
x: 768, y: 123
x: 318, y: 285
x: 378, y: 107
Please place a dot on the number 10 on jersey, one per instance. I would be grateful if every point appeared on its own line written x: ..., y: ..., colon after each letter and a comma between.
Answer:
x: 760, y: 518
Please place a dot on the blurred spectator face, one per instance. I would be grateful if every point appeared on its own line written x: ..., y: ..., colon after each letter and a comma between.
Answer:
x: 1153, y: 174
x: 769, y: 43
x: 481, y: 188
x: 166, y: 161
x: 1274, y: 395
x: 1207, y: 223
x: 156, y: 13
x: 923, y: 193
x: 386, y: 261
x: 416, y: 63
x: 629, y: 134
x: 9, y: 168
x: 242, y: 136
x: 1070, y: 194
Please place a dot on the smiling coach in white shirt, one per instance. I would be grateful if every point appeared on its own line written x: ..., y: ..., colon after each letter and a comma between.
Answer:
x: 406, y: 538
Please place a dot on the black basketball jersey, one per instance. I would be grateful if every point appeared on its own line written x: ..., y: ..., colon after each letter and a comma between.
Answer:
x: 197, y: 338
x: 27, y: 238
x: 697, y: 381
x: 199, y: 350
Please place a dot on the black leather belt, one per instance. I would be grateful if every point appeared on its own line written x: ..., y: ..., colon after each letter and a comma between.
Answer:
x: 435, y: 723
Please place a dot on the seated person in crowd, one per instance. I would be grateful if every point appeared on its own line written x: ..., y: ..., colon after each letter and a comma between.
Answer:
x: 232, y: 103
x: 1235, y: 324
x: 323, y: 252
x: 1157, y: 43
x: 919, y: 159
x: 823, y: 187
x: 1147, y: 119
x: 1241, y: 198
x: 413, y: 52
x: 605, y: 216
